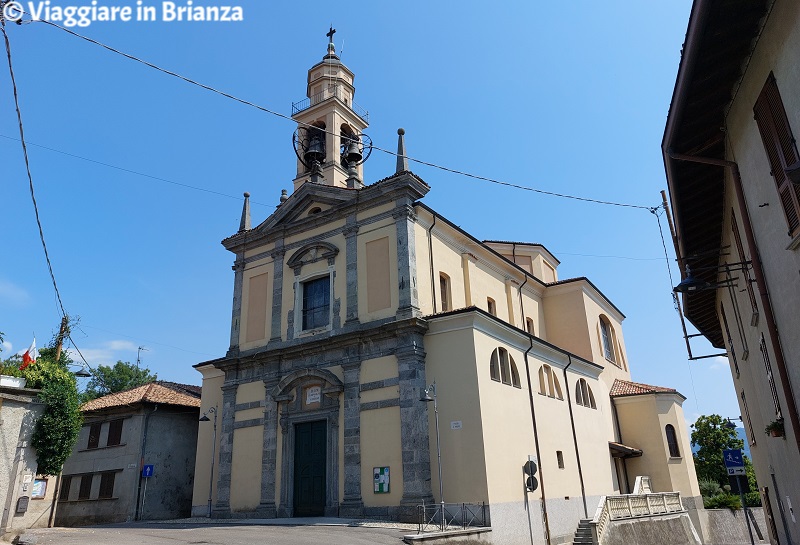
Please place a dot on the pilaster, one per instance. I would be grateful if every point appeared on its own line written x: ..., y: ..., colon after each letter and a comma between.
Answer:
x: 277, y: 291
x: 222, y: 509
x: 413, y: 426
x: 351, y: 257
x: 269, y: 456
x: 236, y: 317
x: 405, y: 218
x: 352, y: 504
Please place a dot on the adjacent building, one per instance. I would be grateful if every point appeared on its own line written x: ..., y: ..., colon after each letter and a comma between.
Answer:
x: 27, y: 497
x: 134, y: 458
x: 352, y: 302
x: 733, y: 168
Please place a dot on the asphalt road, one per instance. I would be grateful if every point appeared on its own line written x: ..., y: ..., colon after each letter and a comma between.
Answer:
x: 209, y: 534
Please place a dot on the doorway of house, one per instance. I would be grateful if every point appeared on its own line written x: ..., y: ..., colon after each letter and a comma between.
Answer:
x: 310, y: 447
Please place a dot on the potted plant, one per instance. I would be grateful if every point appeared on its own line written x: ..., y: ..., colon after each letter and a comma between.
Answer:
x: 775, y: 428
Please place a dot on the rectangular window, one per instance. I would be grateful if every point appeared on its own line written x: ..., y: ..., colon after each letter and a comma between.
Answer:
x: 107, y: 485
x: 770, y: 378
x: 747, y: 420
x: 86, y: 487
x: 737, y: 238
x: 560, y: 459
x: 781, y: 149
x: 94, y: 435
x: 114, y: 433
x: 729, y: 338
x: 444, y: 290
x: 316, y: 303
x: 66, y: 483
x: 529, y: 326
x: 491, y: 306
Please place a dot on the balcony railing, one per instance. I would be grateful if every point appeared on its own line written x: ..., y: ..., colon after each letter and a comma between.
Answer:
x: 437, y: 517
x: 628, y: 506
x: 331, y: 92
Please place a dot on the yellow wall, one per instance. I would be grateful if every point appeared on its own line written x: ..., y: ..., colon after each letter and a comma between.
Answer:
x: 211, y: 397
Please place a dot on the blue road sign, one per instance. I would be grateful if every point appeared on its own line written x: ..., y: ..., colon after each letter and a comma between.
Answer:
x: 147, y: 471
x: 734, y: 461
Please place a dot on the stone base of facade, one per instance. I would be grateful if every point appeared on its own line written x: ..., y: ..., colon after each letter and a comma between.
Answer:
x: 351, y: 509
x: 267, y: 511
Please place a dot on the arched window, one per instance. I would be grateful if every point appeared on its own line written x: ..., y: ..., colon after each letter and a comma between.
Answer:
x: 607, y: 335
x: 672, y: 442
x: 494, y: 367
x: 548, y: 382
x: 491, y: 306
x: 529, y: 326
x: 502, y: 368
x: 584, y: 395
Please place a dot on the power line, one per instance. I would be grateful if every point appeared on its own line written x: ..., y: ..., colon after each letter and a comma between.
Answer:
x: 129, y: 171
x: 289, y: 118
x: 28, y: 170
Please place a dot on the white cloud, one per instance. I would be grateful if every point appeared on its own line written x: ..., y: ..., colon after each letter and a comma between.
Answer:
x: 7, y: 346
x: 108, y: 353
x: 121, y: 345
x: 719, y: 363
x: 12, y: 294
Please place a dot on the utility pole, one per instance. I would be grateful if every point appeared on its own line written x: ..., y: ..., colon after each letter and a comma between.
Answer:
x: 63, y: 330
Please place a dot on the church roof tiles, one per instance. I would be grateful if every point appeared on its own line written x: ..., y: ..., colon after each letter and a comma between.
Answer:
x: 627, y: 388
x: 160, y: 391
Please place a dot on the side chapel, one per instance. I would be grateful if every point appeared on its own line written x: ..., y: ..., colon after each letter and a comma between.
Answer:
x: 351, y: 300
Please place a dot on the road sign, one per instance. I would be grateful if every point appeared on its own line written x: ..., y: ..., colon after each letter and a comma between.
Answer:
x: 734, y: 461
x: 147, y: 471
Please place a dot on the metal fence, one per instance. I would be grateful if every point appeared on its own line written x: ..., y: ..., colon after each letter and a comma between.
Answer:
x: 440, y: 517
x: 332, y: 91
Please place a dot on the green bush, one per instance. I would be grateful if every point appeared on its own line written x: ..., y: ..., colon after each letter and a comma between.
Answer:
x: 752, y: 499
x: 721, y: 501
x: 709, y: 489
x: 57, y: 429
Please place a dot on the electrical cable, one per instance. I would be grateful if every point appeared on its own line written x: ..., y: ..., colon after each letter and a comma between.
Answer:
x: 289, y: 118
x: 129, y: 171
x: 28, y: 170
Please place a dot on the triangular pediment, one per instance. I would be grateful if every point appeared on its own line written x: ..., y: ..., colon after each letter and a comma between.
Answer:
x: 307, y: 202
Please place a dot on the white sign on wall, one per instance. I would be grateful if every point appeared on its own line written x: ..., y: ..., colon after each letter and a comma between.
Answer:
x: 313, y: 395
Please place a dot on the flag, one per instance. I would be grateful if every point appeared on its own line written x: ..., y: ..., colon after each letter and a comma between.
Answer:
x: 29, y: 356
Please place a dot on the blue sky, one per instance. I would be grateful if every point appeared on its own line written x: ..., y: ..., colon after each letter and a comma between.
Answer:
x: 565, y: 97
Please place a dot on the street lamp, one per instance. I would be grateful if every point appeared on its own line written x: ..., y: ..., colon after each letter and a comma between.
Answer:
x: 427, y: 398
x: 205, y: 418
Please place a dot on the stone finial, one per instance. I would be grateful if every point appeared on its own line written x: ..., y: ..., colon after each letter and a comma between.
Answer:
x: 244, y: 225
x: 316, y: 173
x: 284, y: 196
x: 353, y: 181
x: 402, y: 159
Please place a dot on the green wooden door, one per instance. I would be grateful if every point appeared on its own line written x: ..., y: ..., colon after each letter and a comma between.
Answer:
x: 310, y: 447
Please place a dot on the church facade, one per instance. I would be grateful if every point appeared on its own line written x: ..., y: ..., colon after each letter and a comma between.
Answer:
x: 354, y: 302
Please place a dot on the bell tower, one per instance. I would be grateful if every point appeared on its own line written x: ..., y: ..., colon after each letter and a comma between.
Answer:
x: 329, y: 141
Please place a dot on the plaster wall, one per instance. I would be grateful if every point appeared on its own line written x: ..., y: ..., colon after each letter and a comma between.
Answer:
x: 773, y: 459
x: 212, y: 397
x: 18, y: 414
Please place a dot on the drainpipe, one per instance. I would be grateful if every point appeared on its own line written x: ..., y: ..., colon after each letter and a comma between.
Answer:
x: 536, y: 440
x: 575, y: 437
x: 430, y: 260
x: 761, y: 282
x: 141, y: 463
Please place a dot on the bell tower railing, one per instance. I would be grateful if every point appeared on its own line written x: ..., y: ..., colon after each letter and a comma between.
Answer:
x: 336, y: 91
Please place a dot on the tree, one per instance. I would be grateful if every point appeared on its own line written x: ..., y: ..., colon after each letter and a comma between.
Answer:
x: 711, y: 434
x: 109, y: 380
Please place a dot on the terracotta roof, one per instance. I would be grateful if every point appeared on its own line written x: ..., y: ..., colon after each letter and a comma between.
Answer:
x: 160, y: 391
x: 627, y: 388
x: 618, y: 450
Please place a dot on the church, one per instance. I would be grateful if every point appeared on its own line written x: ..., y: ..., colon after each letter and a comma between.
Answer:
x: 354, y: 304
